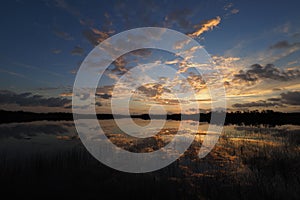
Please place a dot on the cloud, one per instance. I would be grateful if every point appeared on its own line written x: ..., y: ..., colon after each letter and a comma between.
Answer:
x: 56, y: 51
x: 274, y: 99
x: 104, y: 92
x: 224, y: 61
x: 292, y: 62
x: 205, y: 26
x: 284, y: 28
x: 245, y: 76
x: 104, y: 95
x: 180, y: 17
x: 95, y: 36
x: 291, y: 98
x: 234, y: 11
x: 29, y: 99
x: 12, y: 73
x: 91, y: 37
x: 280, y: 45
x: 284, y: 44
x: 196, y: 81
x: 269, y: 71
x: 74, y: 71
x: 98, y: 104
x: 228, y: 6
x: 169, y: 102
x: 47, y: 88
x: 66, y: 94
x: 119, y: 68
x: 63, y: 35
x: 120, y: 64
x: 181, y: 44
x: 104, y: 89
x: 296, y: 35
x: 172, y: 62
x: 141, y: 52
x: 259, y: 103
x: 77, y: 50
x: 153, y: 90
x: 83, y: 20
x: 101, y: 33
x: 64, y: 5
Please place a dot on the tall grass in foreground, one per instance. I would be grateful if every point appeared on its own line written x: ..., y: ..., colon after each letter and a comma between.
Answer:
x: 271, y: 164
x: 233, y: 170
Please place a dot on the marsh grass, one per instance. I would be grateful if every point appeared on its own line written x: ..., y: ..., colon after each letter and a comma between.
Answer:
x: 235, y: 169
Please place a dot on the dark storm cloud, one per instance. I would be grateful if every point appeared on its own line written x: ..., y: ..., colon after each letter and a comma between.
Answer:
x: 28, y: 99
x: 284, y: 44
x: 269, y: 71
x: 291, y: 98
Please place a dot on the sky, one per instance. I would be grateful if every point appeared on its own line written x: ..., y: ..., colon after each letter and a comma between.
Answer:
x: 254, y: 44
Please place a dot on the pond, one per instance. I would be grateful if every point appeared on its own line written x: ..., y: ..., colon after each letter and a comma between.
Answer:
x: 247, y: 162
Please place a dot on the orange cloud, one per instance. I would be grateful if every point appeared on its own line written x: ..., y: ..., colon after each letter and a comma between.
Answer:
x: 66, y: 94
x: 206, y: 25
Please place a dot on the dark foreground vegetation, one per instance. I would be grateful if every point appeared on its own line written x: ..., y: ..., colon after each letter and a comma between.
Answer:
x: 245, y: 166
x: 230, y: 171
x: 241, y: 118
